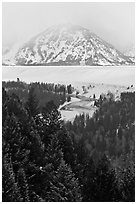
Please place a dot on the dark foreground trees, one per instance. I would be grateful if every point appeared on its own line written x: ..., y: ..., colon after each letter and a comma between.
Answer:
x: 34, y: 168
x: 46, y: 160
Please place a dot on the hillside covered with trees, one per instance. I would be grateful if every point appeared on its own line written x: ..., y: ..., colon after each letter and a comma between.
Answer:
x: 45, y: 92
x: 45, y: 159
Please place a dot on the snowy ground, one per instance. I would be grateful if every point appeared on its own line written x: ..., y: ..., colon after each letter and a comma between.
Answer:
x: 85, y: 103
x: 75, y: 107
x: 96, y: 80
x: 124, y: 75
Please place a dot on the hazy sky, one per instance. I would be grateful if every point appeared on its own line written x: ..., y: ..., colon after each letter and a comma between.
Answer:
x: 113, y: 22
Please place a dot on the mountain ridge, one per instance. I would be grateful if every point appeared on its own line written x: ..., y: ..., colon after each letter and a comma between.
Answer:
x: 69, y: 45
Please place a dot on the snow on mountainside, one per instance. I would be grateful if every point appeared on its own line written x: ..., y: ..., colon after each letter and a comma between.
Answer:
x: 5, y: 50
x: 69, y: 45
x: 130, y: 53
x: 9, y: 57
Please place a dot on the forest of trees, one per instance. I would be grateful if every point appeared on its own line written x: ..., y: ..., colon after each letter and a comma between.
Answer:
x: 45, y: 159
x: 45, y: 92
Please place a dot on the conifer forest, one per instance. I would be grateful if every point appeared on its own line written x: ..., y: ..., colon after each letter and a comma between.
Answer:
x: 46, y: 159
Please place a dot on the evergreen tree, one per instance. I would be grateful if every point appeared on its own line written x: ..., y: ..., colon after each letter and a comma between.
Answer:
x: 36, y: 146
x: 68, y: 99
x: 17, y: 139
x: 42, y: 161
x: 89, y: 182
x: 51, y: 122
x: 127, y: 183
x: 69, y: 89
x: 32, y: 103
x: 67, y: 146
x: 4, y: 95
x: 54, y: 153
x: 107, y: 185
x: 64, y: 186
x: 40, y: 176
x: 35, y: 198
x: 10, y: 191
x: 23, y: 185
x: 94, y: 96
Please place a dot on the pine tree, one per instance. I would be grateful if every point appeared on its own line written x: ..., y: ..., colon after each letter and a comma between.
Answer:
x: 10, y: 191
x: 58, y: 174
x: 32, y: 103
x: 68, y: 98
x: 36, y: 145
x: 127, y: 183
x: 54, y: 153
x: 35, y: 198
x: 67, y: 146
x: 89, y: 182
x: 69, y: 89
x: 23, y: 185
x: 17, y: 142
x: 40, y: 176
x: 4, y: 95
x: 51, y: 122
x: 64, y: 187
x: 107, y: 185
x: 100, y: 182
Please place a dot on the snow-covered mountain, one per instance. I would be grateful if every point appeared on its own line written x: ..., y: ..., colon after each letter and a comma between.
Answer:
x: 130, y: 51
x: 69, y: 45
x: 9, y: 57
x: 5, y: 50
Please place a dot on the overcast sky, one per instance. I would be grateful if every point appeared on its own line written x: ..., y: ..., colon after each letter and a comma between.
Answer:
x: 113, y: 22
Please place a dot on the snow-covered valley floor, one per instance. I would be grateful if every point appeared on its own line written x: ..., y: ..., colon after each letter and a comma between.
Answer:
x: 96, y: 80
x: 117, y: 75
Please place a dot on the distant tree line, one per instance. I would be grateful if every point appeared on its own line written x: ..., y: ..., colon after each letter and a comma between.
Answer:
x: 43, y: 160
x: 111, y: 130
x: 45, y: 92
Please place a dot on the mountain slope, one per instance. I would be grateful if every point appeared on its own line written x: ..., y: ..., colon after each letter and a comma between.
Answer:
x: 130, y: 53
x: 69, y: 45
